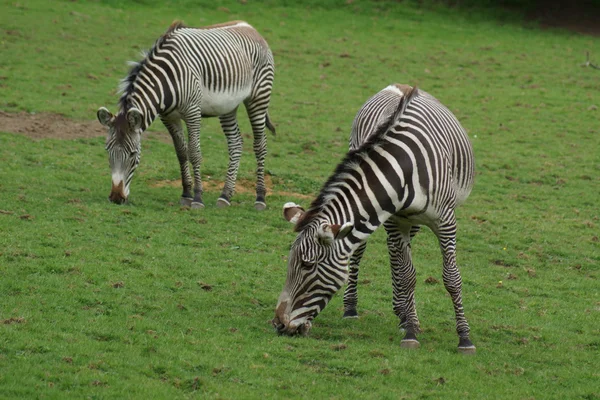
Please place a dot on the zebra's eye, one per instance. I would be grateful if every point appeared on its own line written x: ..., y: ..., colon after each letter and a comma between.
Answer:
x: 133, y: 154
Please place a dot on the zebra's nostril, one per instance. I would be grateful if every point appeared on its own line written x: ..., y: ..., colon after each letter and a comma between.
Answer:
x: 279, y: 327
x: 116, y: 199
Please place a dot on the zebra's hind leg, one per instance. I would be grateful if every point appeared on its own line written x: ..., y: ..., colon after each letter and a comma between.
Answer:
x: 351, y: 292
x: 175, y: 129
x: 231, y: 130
x: 404, y: 281
x: 453, y: 283
x: 257, y: 113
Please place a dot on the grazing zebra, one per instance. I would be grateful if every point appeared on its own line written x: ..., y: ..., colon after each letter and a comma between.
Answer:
x: 375, y: 111
x: 413, y: 170
x: 188, y: 74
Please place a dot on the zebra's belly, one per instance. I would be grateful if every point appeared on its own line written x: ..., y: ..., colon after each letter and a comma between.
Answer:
x: 419, y: 212
x: 404, y: 218
x: 214, y: 104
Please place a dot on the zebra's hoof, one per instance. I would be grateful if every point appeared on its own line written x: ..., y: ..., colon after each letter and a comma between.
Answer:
x: 186, y: 201
x: 259, y: 205
x: 465, y: 346
x: 197, y: 205
x: 222, y: 203
x: 467, y: 350
x: 410, y: 344
x: 350, y: 314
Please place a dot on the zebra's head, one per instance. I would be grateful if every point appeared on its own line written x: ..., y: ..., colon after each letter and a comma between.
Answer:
x: 123, y: 145
x: 317, y: 269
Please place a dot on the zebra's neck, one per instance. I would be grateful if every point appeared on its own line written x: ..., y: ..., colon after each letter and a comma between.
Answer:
x: 345, y: 198
x: 149, y: 111
x: 145, y: 90
x: 368, y: 187
x: 346, y: 201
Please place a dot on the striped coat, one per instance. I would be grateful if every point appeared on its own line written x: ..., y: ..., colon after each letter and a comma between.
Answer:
x: 191, y: 73
x: 414, y: 169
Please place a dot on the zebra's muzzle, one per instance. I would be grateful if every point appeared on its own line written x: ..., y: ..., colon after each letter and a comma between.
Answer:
x: 281, y: 319
x: 282, y: 323
x: 117, y: 194
x: 292, y: 329
x: 279, y: 327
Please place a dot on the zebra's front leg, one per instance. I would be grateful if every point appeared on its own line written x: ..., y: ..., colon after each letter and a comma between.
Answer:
x: 404, y: 281
x: 195, y: 155
x: 351, y: 292
x: 257, y: 113
x: 234, y: 145
x: 175, y: 129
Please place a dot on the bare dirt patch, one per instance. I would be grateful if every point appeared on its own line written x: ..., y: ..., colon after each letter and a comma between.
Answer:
x: 49, y: 126
x: 56, y: 126
x: 241, y: 186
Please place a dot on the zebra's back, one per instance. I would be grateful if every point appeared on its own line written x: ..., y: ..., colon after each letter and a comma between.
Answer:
x: 443, y: 138
x: 225, y: 60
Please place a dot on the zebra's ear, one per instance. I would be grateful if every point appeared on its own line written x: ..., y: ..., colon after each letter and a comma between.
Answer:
x: 134, y: 117
x: 292, y: 212
x: 105, y: 117
x: 328, y: 233
x: 341, y: 231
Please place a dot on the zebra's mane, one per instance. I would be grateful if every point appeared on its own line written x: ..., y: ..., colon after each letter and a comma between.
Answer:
x: 126, y: 85
x: 353, y: 158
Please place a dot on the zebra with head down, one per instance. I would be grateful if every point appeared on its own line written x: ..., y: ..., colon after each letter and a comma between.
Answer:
x: 415, y: 169
x: 190, y: 74
x: 375, y: 111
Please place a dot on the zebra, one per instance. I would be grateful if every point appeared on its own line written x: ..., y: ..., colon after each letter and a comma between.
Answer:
x: 413, y: 170
x: 375, y: 111
x: 191, y: 73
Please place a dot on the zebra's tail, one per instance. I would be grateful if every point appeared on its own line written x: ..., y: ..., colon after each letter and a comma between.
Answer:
x: 270, y: 125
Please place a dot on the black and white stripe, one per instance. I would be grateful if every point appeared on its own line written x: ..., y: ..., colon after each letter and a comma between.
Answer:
x: 413, y: 166
x: 192, y: 73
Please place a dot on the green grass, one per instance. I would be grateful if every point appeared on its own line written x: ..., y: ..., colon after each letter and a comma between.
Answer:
x: 150, y: 300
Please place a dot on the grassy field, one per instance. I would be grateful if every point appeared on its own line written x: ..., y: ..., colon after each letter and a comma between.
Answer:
x: 150, y: 300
